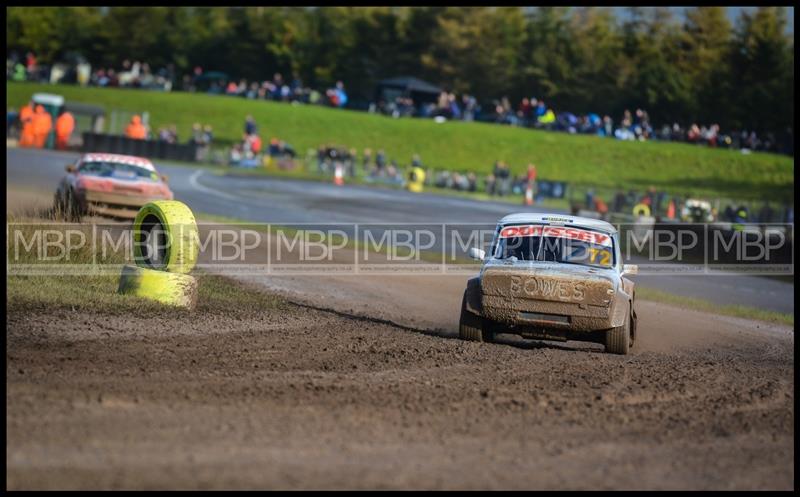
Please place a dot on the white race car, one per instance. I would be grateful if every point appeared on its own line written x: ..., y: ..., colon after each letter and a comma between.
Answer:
x: 552, y: 277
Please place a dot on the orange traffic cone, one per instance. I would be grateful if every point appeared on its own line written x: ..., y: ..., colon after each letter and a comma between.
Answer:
x: 338, y: 175
x: 671, y: 210
x: 529, y: 195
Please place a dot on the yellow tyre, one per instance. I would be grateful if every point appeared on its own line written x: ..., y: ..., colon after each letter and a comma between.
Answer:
x: 641, y: 210
x: 168, y: 288
x: 416, y: 180
x: 165, y: 237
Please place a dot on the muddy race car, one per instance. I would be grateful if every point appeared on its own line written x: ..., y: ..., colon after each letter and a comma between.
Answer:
x: 552, y: 277
x: 110, y: 185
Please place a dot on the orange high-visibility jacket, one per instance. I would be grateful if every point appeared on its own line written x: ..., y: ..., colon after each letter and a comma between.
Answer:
x: 42, y: 121
x: 27, y: 137
x: 26, y: 114
x: 65, y: 124
x: 136, y: 129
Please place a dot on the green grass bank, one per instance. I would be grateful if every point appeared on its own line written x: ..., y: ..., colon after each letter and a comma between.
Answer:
x: 677, y: 168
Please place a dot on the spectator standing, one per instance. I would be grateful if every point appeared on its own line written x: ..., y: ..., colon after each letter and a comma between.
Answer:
x: 608, y: 125
x: 250, y: 127
x: 502, y: 176
x: 27, y: 136
x: 135, y: 129
x: 30, y: 64
x: 65, y: 125
x: 367, y: 159
x: 619, y: 201
x: 208, y: 135
x: 380, y: 160
x: 491, y: 183
x: 275, y: 87
x: 350, y: 163
x: 541, y: 109
x: 590, y: 198
x: 766, y: 213
x: 472, y: 181
x: 443, y: 105
x: 197, y: 135
x: 255, y: 144
x: 340, y: 94
x: 524, y: 111
x: 470, y: 107
x: 455, y: 110
x: 42, y: 124
x: 19, y: 72
x: 321, y: 159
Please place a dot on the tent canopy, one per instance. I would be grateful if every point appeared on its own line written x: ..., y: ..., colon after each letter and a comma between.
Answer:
x: 212, y: 75
x: 410, y: 84
x: 84, y: 109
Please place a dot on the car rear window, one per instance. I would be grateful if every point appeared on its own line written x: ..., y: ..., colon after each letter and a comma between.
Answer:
x: 117, y: 170
x: 562, y: 244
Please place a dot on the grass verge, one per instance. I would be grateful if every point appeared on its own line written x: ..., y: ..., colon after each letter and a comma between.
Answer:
x: 96, y: 291
x: 739, y: 311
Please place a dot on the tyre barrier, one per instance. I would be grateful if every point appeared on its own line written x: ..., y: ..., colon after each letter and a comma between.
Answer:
x: 165, y: 237
x: 165, y: 250
x: 416, y: 180
x: 174, y: 289
x: 641, y: 210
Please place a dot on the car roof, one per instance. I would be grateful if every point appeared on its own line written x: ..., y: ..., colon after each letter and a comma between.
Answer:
x: 119, y: 159
x: 566, y: 220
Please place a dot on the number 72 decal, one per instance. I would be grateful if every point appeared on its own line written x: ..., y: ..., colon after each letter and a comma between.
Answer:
x: 599, y: 256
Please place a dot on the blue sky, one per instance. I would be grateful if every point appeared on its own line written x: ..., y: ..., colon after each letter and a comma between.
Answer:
x: 733, y: 14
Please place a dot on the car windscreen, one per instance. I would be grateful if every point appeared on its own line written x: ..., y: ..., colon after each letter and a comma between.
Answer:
x: 562, y: 244
x: 117, y: 170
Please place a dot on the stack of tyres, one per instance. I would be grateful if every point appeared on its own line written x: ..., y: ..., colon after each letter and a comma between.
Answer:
x: 165, y: 242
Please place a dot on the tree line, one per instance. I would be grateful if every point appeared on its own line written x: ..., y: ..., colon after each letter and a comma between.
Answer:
x: 701, y: 68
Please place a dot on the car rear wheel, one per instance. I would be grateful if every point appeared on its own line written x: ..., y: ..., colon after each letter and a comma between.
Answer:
x: 473, y: 327
x: 619, y: 340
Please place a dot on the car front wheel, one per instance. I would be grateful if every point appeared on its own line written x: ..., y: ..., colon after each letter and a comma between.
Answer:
x: 619, y: 340
x: 473, y: 327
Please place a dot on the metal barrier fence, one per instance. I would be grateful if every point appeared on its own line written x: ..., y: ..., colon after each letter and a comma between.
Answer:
x: 120, y: 144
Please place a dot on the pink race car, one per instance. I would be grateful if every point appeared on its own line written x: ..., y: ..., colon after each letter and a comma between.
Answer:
x: 109, y: 184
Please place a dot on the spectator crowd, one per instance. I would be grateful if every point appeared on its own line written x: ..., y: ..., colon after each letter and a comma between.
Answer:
x: 535, y: 113
x: 532, y: 112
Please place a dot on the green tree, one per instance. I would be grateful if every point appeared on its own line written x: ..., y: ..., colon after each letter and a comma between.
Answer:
x: 597, y: 46
x: 763, y: 69
x: 706, y: 49
x: 653, y: 79
x: 547, y: 55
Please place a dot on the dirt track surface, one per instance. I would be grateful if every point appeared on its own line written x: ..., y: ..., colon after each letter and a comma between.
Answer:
x: 300, y: 398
